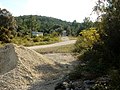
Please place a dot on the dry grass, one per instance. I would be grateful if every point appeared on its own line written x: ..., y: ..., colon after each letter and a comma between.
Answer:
x: 59, y: 49
x: 72, y: 38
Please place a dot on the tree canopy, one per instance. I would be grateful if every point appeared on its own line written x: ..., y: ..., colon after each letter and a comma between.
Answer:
x: 7, y: 25
x: 48, y: 25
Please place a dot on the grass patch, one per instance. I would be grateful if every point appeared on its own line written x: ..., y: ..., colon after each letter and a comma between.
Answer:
x: 58, y: 49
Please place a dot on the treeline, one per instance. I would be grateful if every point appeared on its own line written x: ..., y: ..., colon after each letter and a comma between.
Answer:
x: 48, y: 25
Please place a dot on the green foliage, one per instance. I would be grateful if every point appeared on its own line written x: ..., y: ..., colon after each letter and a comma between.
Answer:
x: 103, y: 56
x: 47, y: 38
x: 4, y: 37
x: 86, y: 40
x: 7, y: 26
x: 87, y: 23
x: 36, y: 40
x: 76, y: 73
x: 115, y: 82
x: 48, y: 25
x: 54, y: 34
x: 7, y: 20
x: 109, y: 29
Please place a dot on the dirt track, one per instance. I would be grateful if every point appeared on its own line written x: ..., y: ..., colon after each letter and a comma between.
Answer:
x: 53, y: 45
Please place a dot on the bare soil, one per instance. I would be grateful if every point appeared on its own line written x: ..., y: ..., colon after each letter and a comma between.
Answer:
x: 24, y: 69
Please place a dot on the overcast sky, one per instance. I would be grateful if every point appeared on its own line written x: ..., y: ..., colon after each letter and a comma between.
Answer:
x: 68, y: 10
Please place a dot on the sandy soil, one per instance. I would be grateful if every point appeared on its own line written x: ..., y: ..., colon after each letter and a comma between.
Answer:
x: 66, y: 63
x: 24, y: 69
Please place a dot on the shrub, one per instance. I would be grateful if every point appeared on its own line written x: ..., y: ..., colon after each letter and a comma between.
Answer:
x: 36, y: 39
x: 86, y: 40
x: 76, y: 73
x: 92, y: 49
x: 46, y: 38
x: 4, y: 38
x: 115, y: 82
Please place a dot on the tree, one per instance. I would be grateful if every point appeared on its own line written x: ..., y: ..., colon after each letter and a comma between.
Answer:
x: 7, y: 25
x: 109, y: 11
x: 75, y: 28
x: 104, y: 56
x: 33, y: 23
x: 87, y: 23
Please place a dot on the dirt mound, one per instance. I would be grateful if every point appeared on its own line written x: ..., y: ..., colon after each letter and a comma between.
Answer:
x: 20, y: 67
x: 8, y: 59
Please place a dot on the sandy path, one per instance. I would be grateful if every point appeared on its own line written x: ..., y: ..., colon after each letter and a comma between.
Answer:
x: 65, y: 60
x: 53, y: 45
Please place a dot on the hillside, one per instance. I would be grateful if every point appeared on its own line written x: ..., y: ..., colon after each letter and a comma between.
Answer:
x: 28, y: 23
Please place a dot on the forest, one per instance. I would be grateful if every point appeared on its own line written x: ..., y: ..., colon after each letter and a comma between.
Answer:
x: 48, y: 25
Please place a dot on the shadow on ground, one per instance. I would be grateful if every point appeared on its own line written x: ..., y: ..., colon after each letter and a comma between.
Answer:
x: 54, y: 76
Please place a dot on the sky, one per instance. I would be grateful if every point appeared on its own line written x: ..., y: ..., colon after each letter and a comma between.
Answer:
x: 68, y: 10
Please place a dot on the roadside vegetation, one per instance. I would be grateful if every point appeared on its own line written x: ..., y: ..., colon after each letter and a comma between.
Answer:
x: 101, y: 48
x: 39, y: 40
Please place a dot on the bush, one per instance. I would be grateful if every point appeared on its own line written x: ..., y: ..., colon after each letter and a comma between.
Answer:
x: 115, y: 82
x: 54, y: 39
x: 54, y: 34
x: 86, y: 40
x: 4, y: 38
x: 93, y: 51
x: 28, y: 41
x: 36, y: 39
x: 46, y: 38
x: 76, y: 73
